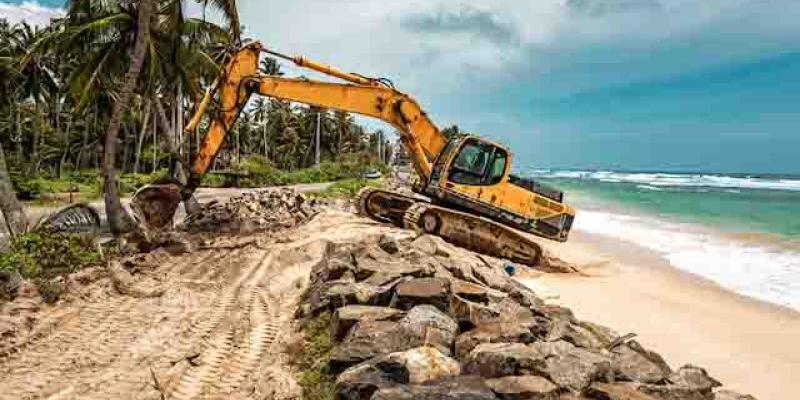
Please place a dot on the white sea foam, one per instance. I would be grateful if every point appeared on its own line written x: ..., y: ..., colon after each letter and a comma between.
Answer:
x: 677, y: 180
x: 749, y: 269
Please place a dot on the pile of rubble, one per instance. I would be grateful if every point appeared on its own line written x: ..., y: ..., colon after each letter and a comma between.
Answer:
x: 266, y: 210
x: 420, y: 319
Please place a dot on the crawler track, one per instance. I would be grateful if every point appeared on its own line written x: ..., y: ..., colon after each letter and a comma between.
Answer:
x: 463, y: 229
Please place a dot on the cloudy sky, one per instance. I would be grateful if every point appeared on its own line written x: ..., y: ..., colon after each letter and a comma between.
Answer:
x: 710, y: 85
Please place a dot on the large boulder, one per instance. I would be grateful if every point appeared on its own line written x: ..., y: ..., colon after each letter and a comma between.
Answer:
x: 372, y: 338
x: 433, y: 291
x: 458, y: 388
x: 494, y: 332
x: 475, y: 292
x: 415, y: 366
x: 345, y: 317
x: 493, y: 360
x: 340, y: 292
x: 527, y: 387
x: 687, y: 383
x: 632, y: 362
x: 578, y: 368
x: 432, y: 326
x: 569, y: 367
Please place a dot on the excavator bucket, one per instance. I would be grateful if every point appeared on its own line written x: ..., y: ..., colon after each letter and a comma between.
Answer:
x: 154, y: 205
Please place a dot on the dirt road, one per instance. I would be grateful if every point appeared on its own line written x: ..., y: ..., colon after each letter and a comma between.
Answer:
x: 212, y: 328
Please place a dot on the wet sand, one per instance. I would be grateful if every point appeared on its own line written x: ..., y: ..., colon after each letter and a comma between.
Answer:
x: 750, y: 345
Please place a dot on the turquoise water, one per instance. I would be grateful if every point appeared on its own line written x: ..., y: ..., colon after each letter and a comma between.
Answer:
x: 729, y: 203
x: 740, y: 231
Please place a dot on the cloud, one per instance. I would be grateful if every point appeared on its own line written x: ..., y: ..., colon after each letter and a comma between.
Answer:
x: 605, y: 7
x: 30, y: 12
x: 465, y: 19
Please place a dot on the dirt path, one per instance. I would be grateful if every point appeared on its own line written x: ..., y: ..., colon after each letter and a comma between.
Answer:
x: 215, y: 327
x: 210, y: 332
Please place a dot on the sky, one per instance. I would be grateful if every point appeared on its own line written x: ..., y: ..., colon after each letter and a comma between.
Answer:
x: 658, y: 85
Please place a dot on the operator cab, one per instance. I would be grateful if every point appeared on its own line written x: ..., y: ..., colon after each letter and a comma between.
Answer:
x: 477, y: 163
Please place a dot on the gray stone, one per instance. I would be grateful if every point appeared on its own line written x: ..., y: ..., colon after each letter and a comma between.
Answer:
x: 458, y: 388
x: 413, y: 292
x: 527, y: 387
x: 578, y: 368
x: 725, y: 394
x: 632, y: 362
x: 694, y: 377
x: 494, y: 332
x: 339, y: 293
x: 371, y: 338
x: 414, y: 366
x: 345, y: 317
x: 569, y: 367
x: 432, y: 326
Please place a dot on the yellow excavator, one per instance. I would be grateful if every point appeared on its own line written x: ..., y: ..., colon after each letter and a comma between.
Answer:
x: 466, y: 192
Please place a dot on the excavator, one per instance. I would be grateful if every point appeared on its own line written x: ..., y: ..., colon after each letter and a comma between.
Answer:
x: 466, y: 193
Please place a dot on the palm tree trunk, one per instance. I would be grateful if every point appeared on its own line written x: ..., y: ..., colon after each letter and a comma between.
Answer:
x: 142, y: 134
x: 114, y: 210
x: 66, y: 148
x: 12, y: 210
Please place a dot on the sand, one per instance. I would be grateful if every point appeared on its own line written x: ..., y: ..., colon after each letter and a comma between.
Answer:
x: 749, y: 345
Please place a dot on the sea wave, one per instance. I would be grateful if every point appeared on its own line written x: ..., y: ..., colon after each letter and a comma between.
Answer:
x: 677, y: 180
x: 759, y: 271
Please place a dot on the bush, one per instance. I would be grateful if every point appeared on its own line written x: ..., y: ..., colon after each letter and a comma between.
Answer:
x: 44, y: 256
x: 260, y: 172
x: 316, y: 377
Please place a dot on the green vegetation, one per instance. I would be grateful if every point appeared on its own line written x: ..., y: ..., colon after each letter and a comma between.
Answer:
x: 87, y: 184
x: 44, y: 256
x: 316, y: 378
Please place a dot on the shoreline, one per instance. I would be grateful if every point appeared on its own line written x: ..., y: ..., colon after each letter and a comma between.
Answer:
x: 748, y: 343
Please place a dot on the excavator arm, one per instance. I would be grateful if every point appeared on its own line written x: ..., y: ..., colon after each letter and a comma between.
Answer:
x: 365, y: 96
x: 239, y: 79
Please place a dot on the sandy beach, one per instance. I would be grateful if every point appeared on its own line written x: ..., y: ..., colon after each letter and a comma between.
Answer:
x: 748, y: 344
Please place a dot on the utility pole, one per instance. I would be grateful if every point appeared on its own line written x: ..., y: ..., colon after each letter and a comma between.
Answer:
x: 316, y: 140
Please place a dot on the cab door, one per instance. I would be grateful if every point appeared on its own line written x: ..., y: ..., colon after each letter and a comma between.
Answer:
x: 477, y: 172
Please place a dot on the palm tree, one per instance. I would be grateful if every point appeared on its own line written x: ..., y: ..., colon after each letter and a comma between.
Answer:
x: 114, y: 210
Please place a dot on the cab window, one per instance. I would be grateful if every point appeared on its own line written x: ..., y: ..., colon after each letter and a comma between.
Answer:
x: 478, y: 164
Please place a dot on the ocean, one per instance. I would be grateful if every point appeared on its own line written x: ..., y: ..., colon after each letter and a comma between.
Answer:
x: 740, y: 231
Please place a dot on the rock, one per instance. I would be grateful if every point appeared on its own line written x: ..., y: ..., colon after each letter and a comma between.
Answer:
x: 469, y: 313
x: 458, y: 388
x: 10, y: 282
x: 429, y: 245
x: 371, y: 338
x: 493, y: 332
x: 524, y: 295
x: 433, y: 291
x: 342, y: 292
x: 616, y: 391
x: 632, y: 362
x: 578, y: 368
x: 345, y: 317
x: 493, y: 360
x: 523, y: 388
x: 725, y: 394
x: 569, y: 367
x: 389, y: 243
x: 492, y: 277
x: 694, y: 377
x: 475, y: 292
x: 419, y: 365
x: 432, y: 326
x: 687, y: 383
